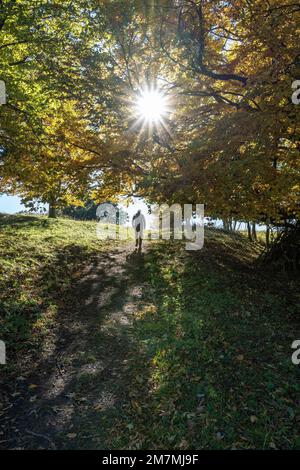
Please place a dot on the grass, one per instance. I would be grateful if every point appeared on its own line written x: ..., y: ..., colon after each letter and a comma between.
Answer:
x: 260, y: 235
x: 213, y: 364
x: 38, y: 259
x: 208, y: 355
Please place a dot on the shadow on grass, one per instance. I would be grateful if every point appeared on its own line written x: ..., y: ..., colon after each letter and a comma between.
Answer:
x: 214, y: 366
x: 168, y: 350
x: 73, y: 378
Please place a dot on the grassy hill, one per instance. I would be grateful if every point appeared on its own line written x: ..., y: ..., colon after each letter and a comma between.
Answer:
x: 38, y: 259
x: 172, y: 349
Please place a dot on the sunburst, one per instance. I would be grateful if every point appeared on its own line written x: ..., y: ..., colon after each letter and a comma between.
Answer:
x: 151, y: 106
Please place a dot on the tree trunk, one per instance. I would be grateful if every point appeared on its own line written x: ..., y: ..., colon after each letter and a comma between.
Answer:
x: 268, y: 236
x: 52, y: 210
x: 254, y: 236
x: 249, y: 231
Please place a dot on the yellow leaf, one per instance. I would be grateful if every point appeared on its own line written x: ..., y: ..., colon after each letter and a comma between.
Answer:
x: 31, y: 386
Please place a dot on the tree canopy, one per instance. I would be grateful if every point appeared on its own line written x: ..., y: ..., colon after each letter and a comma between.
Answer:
x: 74, y: 69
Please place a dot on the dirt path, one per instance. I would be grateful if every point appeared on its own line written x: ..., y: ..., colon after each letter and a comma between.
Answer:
x: 74, y: 391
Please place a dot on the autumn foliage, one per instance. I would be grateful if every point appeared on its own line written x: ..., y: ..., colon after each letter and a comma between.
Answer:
x: 231, y: 140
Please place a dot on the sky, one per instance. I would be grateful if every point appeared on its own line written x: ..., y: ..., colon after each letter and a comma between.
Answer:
x: 10, y: 204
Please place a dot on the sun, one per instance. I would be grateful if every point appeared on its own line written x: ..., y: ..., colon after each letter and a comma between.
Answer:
x: 151, y: 106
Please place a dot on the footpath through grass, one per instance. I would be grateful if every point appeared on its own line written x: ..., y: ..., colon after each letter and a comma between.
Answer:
x: 193, y: 347
x: 39, y: 259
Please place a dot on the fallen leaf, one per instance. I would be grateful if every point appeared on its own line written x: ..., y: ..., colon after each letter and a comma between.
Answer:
x: 31, y: 386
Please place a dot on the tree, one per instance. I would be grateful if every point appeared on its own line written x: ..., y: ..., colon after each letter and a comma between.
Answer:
x: 234, y: 133
x: 231, y: 140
